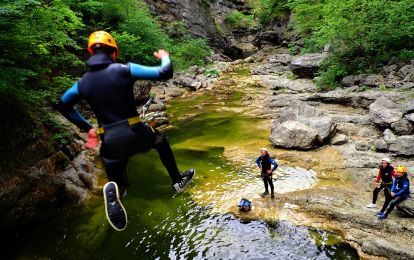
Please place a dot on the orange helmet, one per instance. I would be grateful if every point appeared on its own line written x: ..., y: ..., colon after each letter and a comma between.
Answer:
x: 102, y: 37
x: 401, y: 169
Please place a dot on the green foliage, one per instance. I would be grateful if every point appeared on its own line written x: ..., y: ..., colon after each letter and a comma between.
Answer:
x: 189, y: 52
x: 364, y: 34
x: 177, y: 30
x: 42, y: 32
x: 211, y: 72
x: 237, y: 19
x: 52, y: 35
x: 266, y: 11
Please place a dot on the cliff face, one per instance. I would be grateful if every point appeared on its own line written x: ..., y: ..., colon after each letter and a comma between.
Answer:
x: 42, y: 168
x: 206, y: 19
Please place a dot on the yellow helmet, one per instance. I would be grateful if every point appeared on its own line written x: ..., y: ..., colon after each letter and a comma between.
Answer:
x: 102, y: 37
x: 401, y: 169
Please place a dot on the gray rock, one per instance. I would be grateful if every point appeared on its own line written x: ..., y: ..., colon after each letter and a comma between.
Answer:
x: 293, y: 135
x: 406, y: 73
x: 283, y: 59
x: 305, y: 66
x: 345, y: 97
x: 218, y: 57
x: 283, y: 83
x: 355, y: 119
x: 407, y: 207
x: 362, y: 146
x: 384, y: 112
x: 410, y: 117
x: 381, y: 145
x: 301, y: 126
x: 409, y: 107
x: 403, y: 146
x: 402, y: 127
x: 390, y: 69
x: 339, y: 139
x: 373, y: 80
x: 389, y: 136
x: 352, y: 80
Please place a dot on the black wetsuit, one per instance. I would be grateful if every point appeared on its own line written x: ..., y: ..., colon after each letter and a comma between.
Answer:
x: 108, y: 88
x: 265, y: 162
x: 385, y: 181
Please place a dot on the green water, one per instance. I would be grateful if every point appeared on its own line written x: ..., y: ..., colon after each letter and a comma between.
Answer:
x: 196, y: 224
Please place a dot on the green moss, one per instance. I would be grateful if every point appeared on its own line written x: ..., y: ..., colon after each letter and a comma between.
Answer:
x: 237, y: 19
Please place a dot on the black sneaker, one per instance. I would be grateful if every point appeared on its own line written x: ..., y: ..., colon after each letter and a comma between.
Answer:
x: 187, y: 177
x: 115, y: 211
x: 272, y: 196
x: 265, y: 193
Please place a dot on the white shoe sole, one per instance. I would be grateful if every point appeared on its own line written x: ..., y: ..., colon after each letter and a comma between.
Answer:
x: 118, y: 201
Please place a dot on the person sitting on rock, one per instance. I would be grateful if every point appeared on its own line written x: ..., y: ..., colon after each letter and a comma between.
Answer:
x: 400, y: 191
x: 108, y: 88
x: 264, y: 162
x: 383, y: 181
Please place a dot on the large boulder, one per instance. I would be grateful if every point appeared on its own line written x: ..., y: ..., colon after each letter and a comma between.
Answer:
x: 307, y: 65
x: 407, y: 207
x: 402, y: 127
x: 301, y: 126
x: 406, y: 73
x: 371, y: 80
x: 383, y: 112
x: 403, y: 145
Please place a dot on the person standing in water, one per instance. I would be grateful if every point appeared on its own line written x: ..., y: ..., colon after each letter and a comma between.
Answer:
x: 264, y: 162
x: 383, y: 181
x: 108, y: 88
x: 400, y: 191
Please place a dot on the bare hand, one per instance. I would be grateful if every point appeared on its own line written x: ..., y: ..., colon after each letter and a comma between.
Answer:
x: 392, y: 194
x: 269, y: 171
x: 161, y: 53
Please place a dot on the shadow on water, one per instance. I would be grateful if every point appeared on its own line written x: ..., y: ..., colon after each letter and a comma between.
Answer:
x: 185, y: 226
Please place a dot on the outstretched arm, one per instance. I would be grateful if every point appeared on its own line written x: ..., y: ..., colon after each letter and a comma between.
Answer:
x: 164, y: 71
x: 67, y: 109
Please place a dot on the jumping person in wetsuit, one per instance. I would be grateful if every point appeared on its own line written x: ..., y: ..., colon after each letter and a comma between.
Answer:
x: 108, y: 88
x: 383, y: 181
x: 264, y: 162
x: 400, y: 191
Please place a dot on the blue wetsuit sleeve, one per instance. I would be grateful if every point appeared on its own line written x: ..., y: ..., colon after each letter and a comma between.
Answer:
x: 67, y: 109
x: 164, y: 71
x: 273, y: 162
x: 394, y: 184
x: 258, y: 162
x: 404, y: 188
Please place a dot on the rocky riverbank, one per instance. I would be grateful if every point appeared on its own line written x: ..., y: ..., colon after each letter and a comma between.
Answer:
x: 341, y: 134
